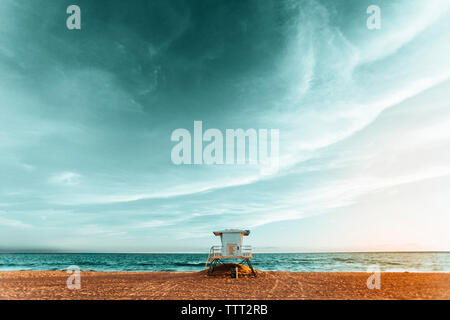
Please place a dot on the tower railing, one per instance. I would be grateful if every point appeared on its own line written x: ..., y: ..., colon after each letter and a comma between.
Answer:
x: 246, y: 251
x: 221, y: 252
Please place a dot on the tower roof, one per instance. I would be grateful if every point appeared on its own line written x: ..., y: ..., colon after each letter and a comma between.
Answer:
x: 241, y: 231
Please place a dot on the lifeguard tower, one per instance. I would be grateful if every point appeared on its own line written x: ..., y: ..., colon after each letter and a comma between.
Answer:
x: 231, y: 248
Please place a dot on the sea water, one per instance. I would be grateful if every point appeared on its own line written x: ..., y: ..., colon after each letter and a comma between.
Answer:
x: 312, y: 262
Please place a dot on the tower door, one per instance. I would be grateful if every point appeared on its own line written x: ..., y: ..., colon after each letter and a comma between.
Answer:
x: 232, y: 249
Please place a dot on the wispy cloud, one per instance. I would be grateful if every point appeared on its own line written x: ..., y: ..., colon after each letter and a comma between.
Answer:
x: 13, y: 223
x: 66, y: 178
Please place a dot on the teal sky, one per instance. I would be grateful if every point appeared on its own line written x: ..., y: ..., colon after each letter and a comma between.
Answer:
x: 86, y: 118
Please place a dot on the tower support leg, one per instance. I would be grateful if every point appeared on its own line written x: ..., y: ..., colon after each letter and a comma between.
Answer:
x: 250, y: 266
x: 213, y: 264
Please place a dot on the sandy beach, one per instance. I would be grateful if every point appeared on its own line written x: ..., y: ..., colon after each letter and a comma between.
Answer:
x: 197, y: 285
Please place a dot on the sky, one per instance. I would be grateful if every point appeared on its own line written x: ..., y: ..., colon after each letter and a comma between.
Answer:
x: 86, y: 118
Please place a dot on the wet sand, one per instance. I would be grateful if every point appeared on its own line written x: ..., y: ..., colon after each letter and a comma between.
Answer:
x: 197, y: 285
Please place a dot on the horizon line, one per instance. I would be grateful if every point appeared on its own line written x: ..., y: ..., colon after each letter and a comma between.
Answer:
x: 196, y: 252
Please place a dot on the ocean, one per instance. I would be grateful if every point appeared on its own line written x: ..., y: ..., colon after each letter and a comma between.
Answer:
x: 314, y: 262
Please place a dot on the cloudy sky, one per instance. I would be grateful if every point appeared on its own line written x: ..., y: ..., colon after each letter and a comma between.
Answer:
x: 86, y: 118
